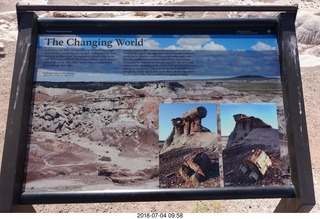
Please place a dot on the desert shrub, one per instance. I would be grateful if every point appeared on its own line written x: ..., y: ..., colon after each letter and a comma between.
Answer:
x: 104, y: 158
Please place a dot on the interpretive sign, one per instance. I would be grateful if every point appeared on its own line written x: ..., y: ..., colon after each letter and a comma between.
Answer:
x: 105, y: 106
x: 124, y: 111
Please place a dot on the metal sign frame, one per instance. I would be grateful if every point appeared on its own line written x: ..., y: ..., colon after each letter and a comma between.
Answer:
x: 297, y: 198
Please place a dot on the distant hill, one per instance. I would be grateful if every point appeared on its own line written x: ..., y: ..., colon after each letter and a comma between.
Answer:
x: 89, y: 86
x: 251, y: 77
x: 95, y: 86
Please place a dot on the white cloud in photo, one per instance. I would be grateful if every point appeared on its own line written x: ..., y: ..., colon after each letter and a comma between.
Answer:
x: 237, y: 63
x: 172, y: 47
x: 193, y: 42
x: 147, y: 44
x: 198, y: 42
x: 213, y: 46
x: 262, y: 46
x: 150, y: 44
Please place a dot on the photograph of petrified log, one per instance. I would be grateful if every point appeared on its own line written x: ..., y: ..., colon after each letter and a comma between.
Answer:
x: 256, y: 165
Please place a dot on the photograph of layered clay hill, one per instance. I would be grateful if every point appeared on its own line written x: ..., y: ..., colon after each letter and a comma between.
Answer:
x: 252, y: 149
x: 93, y: 136
x: 188, y: 155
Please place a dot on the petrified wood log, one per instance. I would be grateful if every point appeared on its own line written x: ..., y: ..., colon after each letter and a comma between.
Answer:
x: 256, y: 165
x: 196, y: 168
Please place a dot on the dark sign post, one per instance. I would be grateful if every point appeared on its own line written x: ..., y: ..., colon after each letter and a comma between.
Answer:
x: 106, y: 110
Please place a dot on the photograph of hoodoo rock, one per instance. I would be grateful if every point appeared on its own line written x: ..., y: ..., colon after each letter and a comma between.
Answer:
x: 189, y: 157
x: 251, y: 155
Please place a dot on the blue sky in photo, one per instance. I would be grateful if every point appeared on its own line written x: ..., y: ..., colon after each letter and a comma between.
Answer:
x: 170, y: 111
x: 267, y: 112
x: 229, y: 42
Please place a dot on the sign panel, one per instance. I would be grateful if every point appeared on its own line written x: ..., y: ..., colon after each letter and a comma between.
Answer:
x: 157, y: 111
